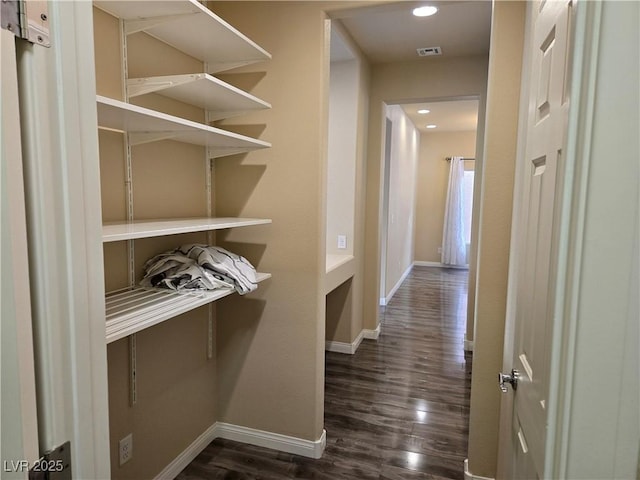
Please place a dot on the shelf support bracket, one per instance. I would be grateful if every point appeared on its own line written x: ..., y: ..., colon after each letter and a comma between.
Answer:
x: 210, y: 333
x: 142, y: 86
x: 218, y: 152
x: 140, y: 25
x: 136, y: 138
x: 133, y: 394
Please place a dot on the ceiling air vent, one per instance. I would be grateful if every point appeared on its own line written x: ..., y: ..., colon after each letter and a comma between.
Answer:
x: 429, y: 51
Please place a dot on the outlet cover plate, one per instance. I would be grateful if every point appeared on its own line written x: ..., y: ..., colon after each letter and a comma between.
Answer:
x: 342, y: 241
x: 126, y: 449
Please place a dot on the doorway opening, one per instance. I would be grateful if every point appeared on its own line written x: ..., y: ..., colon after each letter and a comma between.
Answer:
x: 420, y: 140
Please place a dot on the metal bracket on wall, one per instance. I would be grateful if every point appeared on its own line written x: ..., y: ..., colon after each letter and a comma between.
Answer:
x: 133, y: 388
x: 27, y: 19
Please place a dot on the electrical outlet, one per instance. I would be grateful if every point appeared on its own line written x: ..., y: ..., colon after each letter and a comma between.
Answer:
x: 439, y: 249
x: 126, y: 449
x: 342, y: 241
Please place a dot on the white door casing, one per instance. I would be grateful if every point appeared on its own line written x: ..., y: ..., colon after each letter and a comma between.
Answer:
x: 19, y: 426
x: 58, y: 116
x: 536, y: 223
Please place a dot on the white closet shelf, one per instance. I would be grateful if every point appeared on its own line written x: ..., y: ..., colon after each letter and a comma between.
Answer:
x: 145, y: 125
x: 202, y: 90
x: 191, y: 28
x: 133, y: 309
x: 116, y: 231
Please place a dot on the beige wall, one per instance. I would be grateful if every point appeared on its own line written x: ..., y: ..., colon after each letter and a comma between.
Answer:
x: 364, y: 82
x: 400, y: 83
x: 341, y: 174
x: 271, y: 350
x: 340, y: 313
x: 507, y: 37
x: 348, y: 325
x: 431, y: 190
x: 402, y: 187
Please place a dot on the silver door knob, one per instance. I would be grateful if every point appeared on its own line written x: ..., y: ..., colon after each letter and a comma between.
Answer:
x: 504, y: 378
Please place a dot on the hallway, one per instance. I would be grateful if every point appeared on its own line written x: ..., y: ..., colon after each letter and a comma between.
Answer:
x: 396, y: 410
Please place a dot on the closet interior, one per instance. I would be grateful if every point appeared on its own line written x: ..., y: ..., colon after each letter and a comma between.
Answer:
x: 158, y: 100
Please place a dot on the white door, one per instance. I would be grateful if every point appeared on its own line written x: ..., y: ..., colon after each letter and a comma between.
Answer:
x: 536, y: 229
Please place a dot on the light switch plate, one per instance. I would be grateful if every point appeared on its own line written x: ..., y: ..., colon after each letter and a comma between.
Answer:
x: 342, y: 241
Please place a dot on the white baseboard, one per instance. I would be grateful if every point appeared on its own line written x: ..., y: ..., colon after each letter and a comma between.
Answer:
x: 468, y: 344
x: 185, y: 458
x: 343, y: 347
x: 469, y: 476
x: 260, y: 438
x: 371, y: 334
x: 351, y: 348
x: 387, y: 299
x: 421, y: 263
x: 275, y: 441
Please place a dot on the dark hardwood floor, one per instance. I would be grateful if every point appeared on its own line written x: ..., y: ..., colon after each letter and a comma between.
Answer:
x: 396, y: 410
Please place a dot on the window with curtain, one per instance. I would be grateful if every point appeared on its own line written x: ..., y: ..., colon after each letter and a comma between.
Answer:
x: 457, y: 220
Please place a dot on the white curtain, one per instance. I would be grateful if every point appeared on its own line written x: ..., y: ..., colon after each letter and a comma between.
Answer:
x: 454, y: 248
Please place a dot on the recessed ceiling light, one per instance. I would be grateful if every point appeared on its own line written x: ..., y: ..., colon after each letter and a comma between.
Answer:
x: 426, y: 11
x: 423, y: 111
x: 431, y: 126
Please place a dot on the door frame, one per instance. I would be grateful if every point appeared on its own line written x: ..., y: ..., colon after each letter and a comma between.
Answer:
x: 64, y: 227
x: 19, y: 413
x: 384, y: 214
x: 580, y: 329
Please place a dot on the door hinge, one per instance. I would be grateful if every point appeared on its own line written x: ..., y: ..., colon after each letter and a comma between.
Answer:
x: 53, y: 465
x: 28, y: 19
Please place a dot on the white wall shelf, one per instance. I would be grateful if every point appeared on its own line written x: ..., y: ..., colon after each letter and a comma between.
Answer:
x: 340, y: 268
x: 145, y: 125
x: 202, y: 90
x: 134, y: 309
x: 191, y: 28
x: 117, y: 231
x: 334, y: 261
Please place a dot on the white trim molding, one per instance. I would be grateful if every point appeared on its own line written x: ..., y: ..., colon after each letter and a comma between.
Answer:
x: 260, y: 438
x: 351, y: 348
x: 385, y: 301
x: 470, y: 476
x: 371, y: 334
x: 421, y: 263
x: 343, y: 347
x: 275, y: 441
x: 468, y: 344
x: 58, y: 120
x: 189, y: 454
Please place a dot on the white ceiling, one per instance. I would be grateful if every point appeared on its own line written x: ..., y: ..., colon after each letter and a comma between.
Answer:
x: 450, y: 116
x: 388, y: 32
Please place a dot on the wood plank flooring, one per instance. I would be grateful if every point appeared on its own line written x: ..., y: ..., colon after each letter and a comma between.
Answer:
x: 396, y: 410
